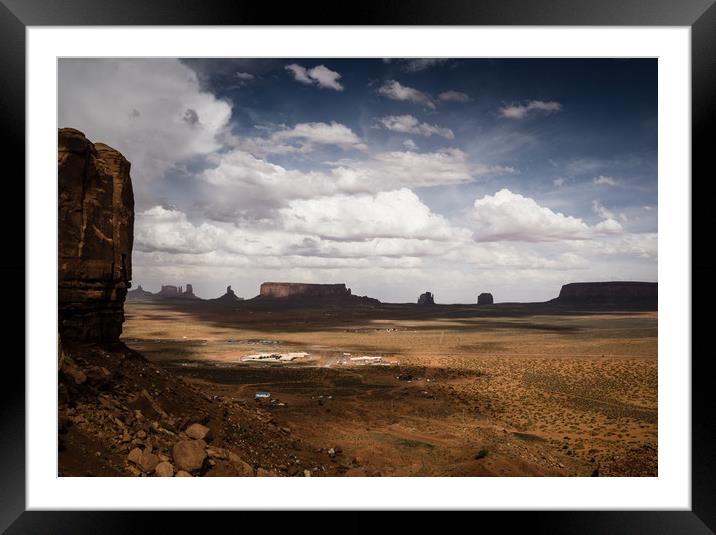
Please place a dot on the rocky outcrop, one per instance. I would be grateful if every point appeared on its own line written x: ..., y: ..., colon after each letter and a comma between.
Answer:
x: 426, y: 299
x: 485, y: 299
x: 609, y: 293
x: 95, y: 234
x: 229, y: 297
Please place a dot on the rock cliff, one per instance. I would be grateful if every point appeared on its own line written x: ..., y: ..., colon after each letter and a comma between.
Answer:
x: 95, y: 234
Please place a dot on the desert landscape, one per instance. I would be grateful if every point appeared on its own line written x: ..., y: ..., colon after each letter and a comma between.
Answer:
x: 504, y: 321
x: 410, y: 390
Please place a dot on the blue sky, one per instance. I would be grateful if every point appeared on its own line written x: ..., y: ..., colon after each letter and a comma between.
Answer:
x: 395, y: 176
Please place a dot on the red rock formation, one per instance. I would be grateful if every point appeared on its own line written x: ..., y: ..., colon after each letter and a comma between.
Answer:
x: 284, y: 290
x: 485, y: 299
x: 95, y: 234
x: 617, y: 292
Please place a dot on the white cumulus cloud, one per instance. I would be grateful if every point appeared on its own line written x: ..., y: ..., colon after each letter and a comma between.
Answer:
x: 386, y: 214
x: 520, y: 111
x: 320, y: 75
x: 152, y: 110
x: 243, y: 185
x: 508, y: 216
x: 300, y: 138
x: 454, y: 96
x: 407, y: 124
x: 394, y: 90
x: 605, y: 181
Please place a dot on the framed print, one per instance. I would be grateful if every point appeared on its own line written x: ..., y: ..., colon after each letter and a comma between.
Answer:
x: 436, y: 260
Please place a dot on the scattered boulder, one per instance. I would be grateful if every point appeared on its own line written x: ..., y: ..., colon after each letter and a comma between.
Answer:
x: 164, y: 469
x: 198, y: 432
x: 261, y: 472
x: 144, y: 459
x: 189, y: 455
x: 98, y: 375
x: 135, y: 456
x: 71, y: 370
x: 243, y: 468
x: 485, y: 299
x: 148, y: 462
x: 182, y: 473
x: 426, y: 299
x: 95, y: 235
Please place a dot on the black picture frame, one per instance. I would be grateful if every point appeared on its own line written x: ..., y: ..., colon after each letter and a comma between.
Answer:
x: 16, y: 15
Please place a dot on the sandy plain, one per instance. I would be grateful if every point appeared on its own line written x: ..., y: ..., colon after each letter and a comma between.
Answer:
x: 464, y: 390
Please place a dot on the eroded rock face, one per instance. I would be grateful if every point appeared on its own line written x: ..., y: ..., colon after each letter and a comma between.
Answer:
x: 484, y: 299
x: 426, y: 299
x: 617, y: 292
x: 95, y: 234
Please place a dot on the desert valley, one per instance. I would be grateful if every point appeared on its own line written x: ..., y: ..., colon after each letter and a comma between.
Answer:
x: 425, y: 390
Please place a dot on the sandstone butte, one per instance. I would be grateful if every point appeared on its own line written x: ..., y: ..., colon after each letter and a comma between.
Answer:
x: 296, y: 289
x: 95, y: 234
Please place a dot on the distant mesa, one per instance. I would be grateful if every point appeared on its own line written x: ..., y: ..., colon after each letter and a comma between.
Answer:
x: 307, y: 292
x: 609, y: 293
x: 485, y: 299
x: 426, y: 299
x: 175, y: 292
x: 229, y: 297
x: 283, y: 290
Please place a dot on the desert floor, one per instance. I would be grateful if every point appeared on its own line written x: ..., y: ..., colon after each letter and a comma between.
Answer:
x: 502, y: 390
